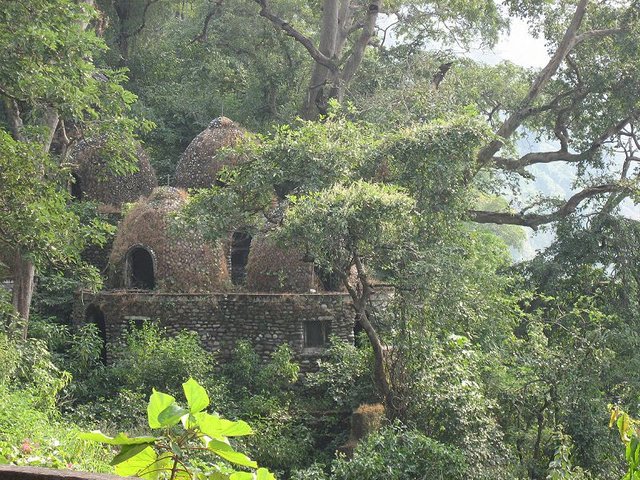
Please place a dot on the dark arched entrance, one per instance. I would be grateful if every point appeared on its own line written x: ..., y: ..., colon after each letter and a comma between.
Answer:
x: 140, y: 269
x: 94, y: 315
x: 76, y: 187
x: 240, y: 245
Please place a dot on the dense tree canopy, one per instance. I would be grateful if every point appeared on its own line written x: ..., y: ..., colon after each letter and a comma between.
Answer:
x: 389, y: 161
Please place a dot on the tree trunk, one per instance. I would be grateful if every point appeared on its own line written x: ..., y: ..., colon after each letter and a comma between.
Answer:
x: 360, y: 297
x: 316, y: 100
x: 23, y: 283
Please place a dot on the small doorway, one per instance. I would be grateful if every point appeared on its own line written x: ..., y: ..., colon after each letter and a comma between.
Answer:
x: 95, y: 315
x: 76, y: 187
x: 240, y: 246
x: 140, y: 269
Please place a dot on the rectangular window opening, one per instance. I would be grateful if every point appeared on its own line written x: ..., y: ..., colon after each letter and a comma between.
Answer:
x: 316, y: 334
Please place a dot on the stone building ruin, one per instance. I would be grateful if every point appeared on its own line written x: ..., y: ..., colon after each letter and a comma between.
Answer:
x: 242, y: 287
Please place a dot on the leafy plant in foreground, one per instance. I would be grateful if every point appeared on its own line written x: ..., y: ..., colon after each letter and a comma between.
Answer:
x: 629, y: 429
x: 177, y: 452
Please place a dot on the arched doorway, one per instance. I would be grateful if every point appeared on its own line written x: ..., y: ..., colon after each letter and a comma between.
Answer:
x: 240, y: 245
x: 140, y: 271
x: 94, y: 315
x: 76, y: 187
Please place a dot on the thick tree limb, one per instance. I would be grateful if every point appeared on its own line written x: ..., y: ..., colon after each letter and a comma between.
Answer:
x: 535, y: 220
x: 12, y: 113
x: 533, y: 158
x: 598, y: 34
x: 511, y: 124
x: 368, y: 31
x: 203, y: 36
x: 317, y: 55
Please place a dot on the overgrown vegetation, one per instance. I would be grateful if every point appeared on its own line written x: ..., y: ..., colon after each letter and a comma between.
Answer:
x: 408, y: 167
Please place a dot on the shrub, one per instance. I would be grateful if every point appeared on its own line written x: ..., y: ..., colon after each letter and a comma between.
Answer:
x: 398, y: 453
x: 344, y: 379
x: 249, y: 375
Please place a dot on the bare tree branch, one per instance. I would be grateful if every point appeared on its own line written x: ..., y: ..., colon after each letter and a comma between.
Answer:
x: 368, y: 31
x: 317, y: 55
x: 533, y: 158
x: 203, y: 36
x: 598, y: 34
x: 510, y: 125
x: 142, y: 24
x: 535, y: 220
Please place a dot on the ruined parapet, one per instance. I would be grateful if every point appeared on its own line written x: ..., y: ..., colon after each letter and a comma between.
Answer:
x: 151, y: 253
x: 94, y: 180
x: 200, y: 164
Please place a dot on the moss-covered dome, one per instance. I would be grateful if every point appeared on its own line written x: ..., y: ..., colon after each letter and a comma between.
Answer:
x: 273, y: 269
x: 151, y: 253
x: 95, y: 181
x: 200, y: 163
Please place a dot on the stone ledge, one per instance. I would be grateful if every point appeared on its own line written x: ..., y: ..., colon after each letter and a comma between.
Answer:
x: 13, y: 472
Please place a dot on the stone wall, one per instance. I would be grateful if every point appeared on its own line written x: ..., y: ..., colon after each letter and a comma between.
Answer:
x: 12, y: 472
x: 266, y: 320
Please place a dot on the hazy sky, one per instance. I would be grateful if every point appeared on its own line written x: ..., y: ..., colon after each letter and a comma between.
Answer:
x: 518, y: 47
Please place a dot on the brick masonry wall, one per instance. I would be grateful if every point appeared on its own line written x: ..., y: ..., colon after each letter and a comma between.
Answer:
x: 266, y: 320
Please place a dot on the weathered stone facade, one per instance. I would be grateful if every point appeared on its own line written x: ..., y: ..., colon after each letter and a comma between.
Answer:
x: 266, y: 320
x: 238, y: 288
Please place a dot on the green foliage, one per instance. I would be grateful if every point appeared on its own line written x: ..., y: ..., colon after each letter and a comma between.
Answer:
x: 630, y: 436
x: 33, y: 436
x: 33, y: 206
x: 249, y: 376
x: 561, y: 467
x: 344, y: 376
x: 178, y: 452
x: 374, y: 220
x: 148, y: 358
x: 113, y: 396
x: 28, y: 364
x: 400, y: 453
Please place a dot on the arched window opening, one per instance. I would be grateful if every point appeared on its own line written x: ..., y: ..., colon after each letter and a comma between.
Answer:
x: 76, y: 187
x: 140, y: 269
x: 240, y: 245
x: 94, y: 315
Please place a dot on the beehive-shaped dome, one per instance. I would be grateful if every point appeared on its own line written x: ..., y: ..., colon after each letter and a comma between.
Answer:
x: 151, y: 253
x: 94, y: 180
x: 273, y: 269
x: 200, y: 164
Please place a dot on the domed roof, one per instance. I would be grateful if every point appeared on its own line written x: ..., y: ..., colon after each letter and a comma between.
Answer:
x: 149, y: 252
x: 273, y: 269
x: 200, y: 163
x: 94, y: 180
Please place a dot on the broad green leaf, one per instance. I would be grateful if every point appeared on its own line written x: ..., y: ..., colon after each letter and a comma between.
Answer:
x: 171, y: 415
x: 197, y: 397
x: 157, y: 403
x: 217, y: 427
x: 264, y: 474
x: 120, y: 439
x: 127, y: 452
x: 144, y: 465
x: 241, y: 476
x: 227, y: 452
